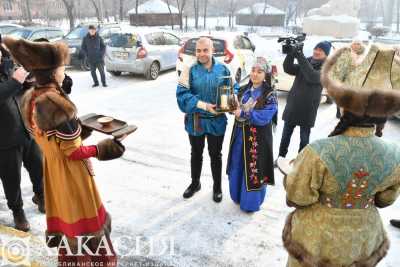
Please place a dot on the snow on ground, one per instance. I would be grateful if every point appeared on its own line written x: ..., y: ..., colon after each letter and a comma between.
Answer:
x: 152, y: 224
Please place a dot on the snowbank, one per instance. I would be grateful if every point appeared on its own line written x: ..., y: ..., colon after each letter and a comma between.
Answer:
x: 336, y: 26
x: 154, y: 7
x: 258, y: 9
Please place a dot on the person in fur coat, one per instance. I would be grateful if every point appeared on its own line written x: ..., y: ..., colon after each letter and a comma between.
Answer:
x: 74, y: 210
x: 337, y: 184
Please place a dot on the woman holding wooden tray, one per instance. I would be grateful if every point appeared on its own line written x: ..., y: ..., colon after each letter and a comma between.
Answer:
x: 75, y: 213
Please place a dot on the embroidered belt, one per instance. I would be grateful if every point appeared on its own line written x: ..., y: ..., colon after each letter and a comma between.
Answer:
x: 362, y: 203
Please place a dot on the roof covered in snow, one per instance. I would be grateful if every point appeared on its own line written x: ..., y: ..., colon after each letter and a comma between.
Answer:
x: 154, y: 7
x: 258, y: 9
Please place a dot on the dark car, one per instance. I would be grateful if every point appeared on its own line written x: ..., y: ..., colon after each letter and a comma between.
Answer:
x: 74, y: 40
x: 36, y: 32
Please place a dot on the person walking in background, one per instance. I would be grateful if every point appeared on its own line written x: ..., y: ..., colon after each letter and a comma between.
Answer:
x: 94, y: 50
x: 250, y: 161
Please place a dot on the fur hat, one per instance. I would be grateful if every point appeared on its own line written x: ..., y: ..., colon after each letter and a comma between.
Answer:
x: 37, y: 55
x: 373, y: 102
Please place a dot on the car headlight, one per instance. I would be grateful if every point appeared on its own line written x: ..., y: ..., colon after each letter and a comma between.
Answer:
x: 72, y: 50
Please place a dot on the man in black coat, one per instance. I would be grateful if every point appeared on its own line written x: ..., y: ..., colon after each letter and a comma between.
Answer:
x: 305, y: 95
x: 94, y: 49
x: 17, y: 146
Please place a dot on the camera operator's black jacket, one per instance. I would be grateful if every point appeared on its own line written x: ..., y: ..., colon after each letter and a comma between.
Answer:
x: 13, y: 132
x: 305, y: 95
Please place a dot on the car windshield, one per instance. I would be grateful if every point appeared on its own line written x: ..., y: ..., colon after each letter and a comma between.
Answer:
x: 77, y: 33
x: 126, y: 40
x: 7, y: 29
x: 219, y: 46
x: 20, y: 33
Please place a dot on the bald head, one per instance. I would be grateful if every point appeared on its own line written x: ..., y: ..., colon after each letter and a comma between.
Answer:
x: 204, y: 51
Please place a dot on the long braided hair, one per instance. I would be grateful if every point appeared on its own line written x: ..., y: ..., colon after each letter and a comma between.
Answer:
x: 351, y: 120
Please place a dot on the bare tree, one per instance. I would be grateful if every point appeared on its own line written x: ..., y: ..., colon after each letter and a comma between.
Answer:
x: 233, y: 4
x: 28, y: 10
x: 70, y: 6
x: 97, y: 8
x: 265, y: 6
x: 196, y: 6
x: 181, y: 5
x: 121, y: 10
x: 205, y: 13
x: 388, y: 12
x: 170, y: 14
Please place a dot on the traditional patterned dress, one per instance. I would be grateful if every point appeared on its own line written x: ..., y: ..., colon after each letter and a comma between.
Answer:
x: 73, y: 204
x: 337, y: 184
x: 250, y: 162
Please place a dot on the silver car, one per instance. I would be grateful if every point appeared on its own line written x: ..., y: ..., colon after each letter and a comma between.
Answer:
x: 142, y: 51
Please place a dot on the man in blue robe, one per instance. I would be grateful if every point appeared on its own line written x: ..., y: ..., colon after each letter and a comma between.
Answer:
x: 196, y: 95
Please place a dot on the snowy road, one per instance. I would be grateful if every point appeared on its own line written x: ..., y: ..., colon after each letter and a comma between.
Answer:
x: 143, y: 190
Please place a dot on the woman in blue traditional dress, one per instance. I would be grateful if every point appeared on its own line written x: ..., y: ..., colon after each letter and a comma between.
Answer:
x: 250, y: 162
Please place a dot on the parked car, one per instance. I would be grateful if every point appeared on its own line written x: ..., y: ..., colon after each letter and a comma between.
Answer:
x: 6, y: 28
x: 236, y: 51
x: 142, y: 51
x: 74, y: 41
x: 36, y: 32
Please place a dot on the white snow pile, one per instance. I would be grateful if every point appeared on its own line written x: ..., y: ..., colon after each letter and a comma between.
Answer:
x: 337, y: 26
x: 258, y: 9
x: 154, y: 7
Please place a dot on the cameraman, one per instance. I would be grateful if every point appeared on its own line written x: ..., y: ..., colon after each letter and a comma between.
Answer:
x: 16, y: 145
x: 305, y: 95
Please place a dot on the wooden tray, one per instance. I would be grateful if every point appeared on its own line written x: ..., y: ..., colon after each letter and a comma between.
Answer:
x: 119, y: 129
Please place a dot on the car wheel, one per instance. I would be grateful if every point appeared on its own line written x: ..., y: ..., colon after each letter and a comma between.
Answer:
x: 153, y: 72
x: 115, y: 73
x: 85, y: 64
x: 238, y: 76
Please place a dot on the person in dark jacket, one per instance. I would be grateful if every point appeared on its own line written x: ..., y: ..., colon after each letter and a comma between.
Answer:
x: 94, y: 49
x: 16, y: 145
x: 305, y: 95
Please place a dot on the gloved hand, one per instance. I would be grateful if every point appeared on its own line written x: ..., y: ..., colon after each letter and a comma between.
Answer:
x: 109, y: 149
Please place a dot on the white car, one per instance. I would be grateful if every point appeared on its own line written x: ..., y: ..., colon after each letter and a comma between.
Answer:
x: 142, y: 51
x: 236, y: 51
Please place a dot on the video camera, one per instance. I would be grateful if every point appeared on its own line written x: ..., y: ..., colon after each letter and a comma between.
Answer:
x: 292, y: 43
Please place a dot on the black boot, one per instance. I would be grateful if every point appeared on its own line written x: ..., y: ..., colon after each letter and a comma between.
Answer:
x: 95, y: 85
x: 217, y: 192
x: 38, y: 199
x: 192, y: 189
x: 395, y: 223
x: 21, y: 223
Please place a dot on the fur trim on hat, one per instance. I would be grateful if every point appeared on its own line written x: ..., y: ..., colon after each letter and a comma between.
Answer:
x: 379, y: 102
x: 52, y: 110
x: 300, y: 253
x: 37, y: 55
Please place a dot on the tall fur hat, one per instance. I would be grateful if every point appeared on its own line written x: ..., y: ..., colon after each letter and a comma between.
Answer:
x: 37, y: 55
x: 375, y: 102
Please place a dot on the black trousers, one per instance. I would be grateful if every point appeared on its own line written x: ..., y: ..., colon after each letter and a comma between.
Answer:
x: 288, y: 129
x: 11, y: 161
x: 214, y: 150
x: 100, y: 67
